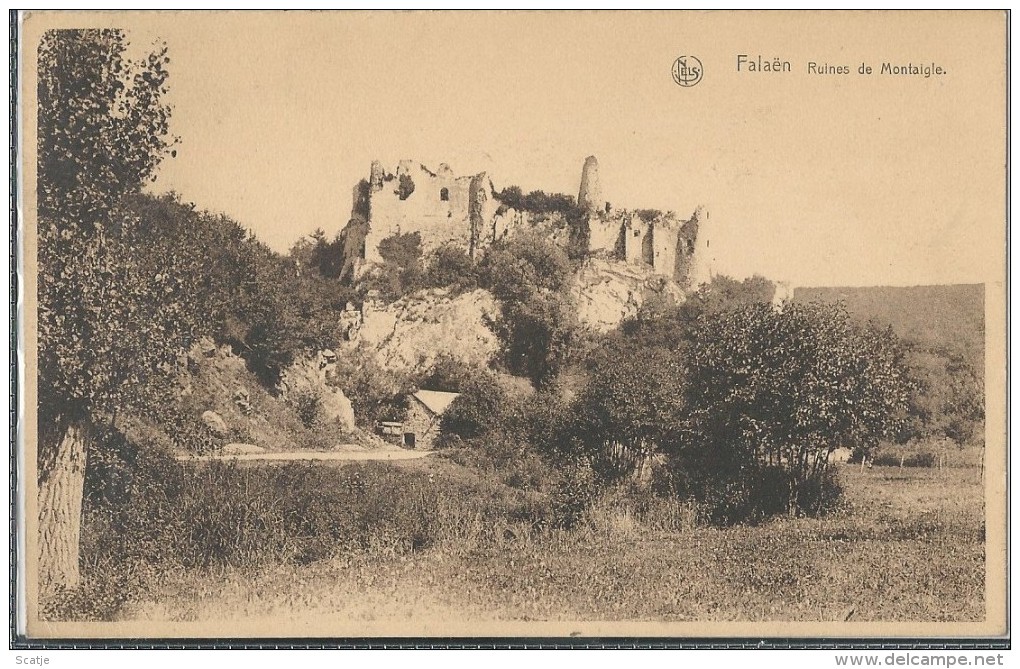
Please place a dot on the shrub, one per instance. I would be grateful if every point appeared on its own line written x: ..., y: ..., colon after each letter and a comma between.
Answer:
x: 405, y: 186
x: 146, y: 513
x: 401, y: 270
x: 770, y: 394
x: 376, y: 393
x: 480, y: 410
x: 505, y: 457
x: 308, y: 404
x: 538, y: 325
x: 450, y: 374
x: 648, y: 215
x: 451, y: 266
x: 577, y: 488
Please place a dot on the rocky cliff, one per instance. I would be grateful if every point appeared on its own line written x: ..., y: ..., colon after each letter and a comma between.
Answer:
x: 408, y: 334
x: 607, y: 292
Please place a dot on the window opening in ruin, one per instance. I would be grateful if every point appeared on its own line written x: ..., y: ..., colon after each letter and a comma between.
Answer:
x: 444, y: 194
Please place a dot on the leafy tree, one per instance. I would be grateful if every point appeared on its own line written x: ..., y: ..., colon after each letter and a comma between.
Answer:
x: 634, y: 398
x: 538, y: 324
x: 108, y: 323
x: 526, y: 263
x: 478, y: 411
x: 327, y: 256
x: 270, y: 308
x: 773, y: 393
x: 539, y: 335
x: 947, y: 396
x: 663, y: 323
x: 724, y: 293
x: 264, y: 323
x: 376, y: 393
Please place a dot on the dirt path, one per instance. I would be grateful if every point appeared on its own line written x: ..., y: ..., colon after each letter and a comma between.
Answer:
x: 315, y: 455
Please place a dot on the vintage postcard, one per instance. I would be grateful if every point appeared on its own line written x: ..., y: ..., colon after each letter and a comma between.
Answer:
x: 513, y: 324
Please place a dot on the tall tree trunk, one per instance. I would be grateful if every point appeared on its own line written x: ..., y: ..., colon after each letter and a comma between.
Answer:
x: 61, y: 484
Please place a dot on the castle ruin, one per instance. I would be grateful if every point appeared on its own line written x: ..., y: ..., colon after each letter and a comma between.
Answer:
x: 441, y: 207
x: 466, y: 211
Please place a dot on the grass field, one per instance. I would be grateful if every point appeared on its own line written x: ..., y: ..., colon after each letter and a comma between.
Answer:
x: 908, y: 544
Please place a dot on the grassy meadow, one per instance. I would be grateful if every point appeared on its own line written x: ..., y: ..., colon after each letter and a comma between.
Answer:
x: 907, y: 544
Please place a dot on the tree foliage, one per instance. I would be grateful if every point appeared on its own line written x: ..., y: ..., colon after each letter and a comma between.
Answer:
x: 663, y: 323
x: 479, y: 411
x: 449, y: 374
x: 946, y: 398
x: 450, y: 266
x: 634, y: 398
x: 110, y: 320
x: 773, y: 393
x: 538, y: 325
x: 402, y: 268
x: 536, y: 202
x: 109, y: 312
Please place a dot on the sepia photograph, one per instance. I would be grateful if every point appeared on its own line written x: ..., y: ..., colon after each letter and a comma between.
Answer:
x: 512, y: 324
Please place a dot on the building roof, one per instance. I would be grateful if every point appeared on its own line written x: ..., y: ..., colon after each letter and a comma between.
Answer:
x: 435, y: 401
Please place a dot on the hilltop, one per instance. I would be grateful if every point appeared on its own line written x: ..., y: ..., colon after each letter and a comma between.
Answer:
x: 948, y: 317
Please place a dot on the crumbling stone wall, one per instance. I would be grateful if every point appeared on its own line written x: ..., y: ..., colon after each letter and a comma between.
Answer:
x: 438, y: 206
x: 665, y: 238
x: 636, y: 235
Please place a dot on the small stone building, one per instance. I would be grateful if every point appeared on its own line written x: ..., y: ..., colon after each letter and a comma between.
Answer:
x: 424, y: 411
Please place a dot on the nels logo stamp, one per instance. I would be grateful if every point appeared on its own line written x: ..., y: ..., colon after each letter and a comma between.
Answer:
x: 687, y: 71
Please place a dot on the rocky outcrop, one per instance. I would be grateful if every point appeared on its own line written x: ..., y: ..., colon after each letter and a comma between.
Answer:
x: 607, y: 292
x: 215, y: 424
x: 410, y: 333
x: 310, y: 377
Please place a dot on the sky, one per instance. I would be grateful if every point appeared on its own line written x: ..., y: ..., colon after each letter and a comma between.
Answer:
x: 812, y: 179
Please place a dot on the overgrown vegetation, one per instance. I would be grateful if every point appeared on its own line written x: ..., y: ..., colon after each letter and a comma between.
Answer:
x: 401, y: 269
x: 148, y: 515
x: 538, y: 324
x: 492, y: 552
x: 536, y: 202
x: 451, y: 267
x: 942, y: 330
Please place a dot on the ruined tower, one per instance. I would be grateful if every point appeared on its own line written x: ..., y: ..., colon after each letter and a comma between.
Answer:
x: 665, y: 237
x: 702, y: 264
x: 589, y: 197
x: 376, y: 175
x: 478, y: 197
